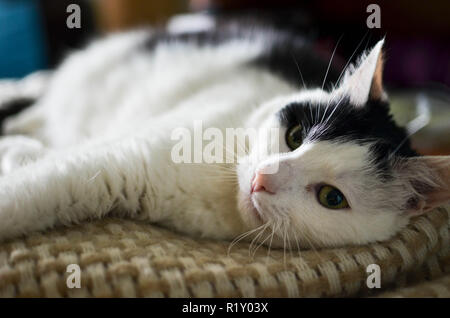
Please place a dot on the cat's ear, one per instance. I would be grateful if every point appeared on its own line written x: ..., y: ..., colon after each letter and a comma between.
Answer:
x: 364, y: 80
x: 427, y: 179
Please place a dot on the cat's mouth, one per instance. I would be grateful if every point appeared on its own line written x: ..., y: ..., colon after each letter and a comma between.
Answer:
x: 254, y: 205
x: 251, y: 209
x: 254, y: 209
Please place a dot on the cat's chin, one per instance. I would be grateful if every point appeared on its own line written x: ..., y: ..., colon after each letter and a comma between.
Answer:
x: 249, y: 212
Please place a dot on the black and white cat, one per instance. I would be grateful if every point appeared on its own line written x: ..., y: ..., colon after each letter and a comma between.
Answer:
x: 98, y: 140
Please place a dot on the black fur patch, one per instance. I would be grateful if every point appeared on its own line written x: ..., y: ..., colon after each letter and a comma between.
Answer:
x: 287, y: 54
x: 13, y: 107
x: 291, y: 57
x: 202, y: 38
x: 371, y: 124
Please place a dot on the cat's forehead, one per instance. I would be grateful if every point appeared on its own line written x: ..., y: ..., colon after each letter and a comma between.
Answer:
x: 347, y: 158
x: 336, y: 119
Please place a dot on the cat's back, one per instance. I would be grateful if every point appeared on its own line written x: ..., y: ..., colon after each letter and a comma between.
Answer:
x: 127, y: 79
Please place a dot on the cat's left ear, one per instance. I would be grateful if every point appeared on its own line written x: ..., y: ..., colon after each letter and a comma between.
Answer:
x: 364, y: 80
x: 428, y: 181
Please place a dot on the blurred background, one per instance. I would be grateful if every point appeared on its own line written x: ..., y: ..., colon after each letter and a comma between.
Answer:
x: 34, y: 36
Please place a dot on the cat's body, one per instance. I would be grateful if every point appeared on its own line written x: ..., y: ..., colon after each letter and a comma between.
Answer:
x: 101, y: 142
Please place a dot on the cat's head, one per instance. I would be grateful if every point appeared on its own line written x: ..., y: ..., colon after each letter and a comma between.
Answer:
x: 344, y: 173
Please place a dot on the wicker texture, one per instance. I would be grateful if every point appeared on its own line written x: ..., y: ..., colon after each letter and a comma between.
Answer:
x: 125, y: 258
x: 439, y: 288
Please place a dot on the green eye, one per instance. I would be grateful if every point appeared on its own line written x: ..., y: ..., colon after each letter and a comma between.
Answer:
x: 294, y: 136
x: 332, y: 198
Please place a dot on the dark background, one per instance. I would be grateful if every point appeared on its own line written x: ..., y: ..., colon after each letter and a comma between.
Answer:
x: 417, y: 32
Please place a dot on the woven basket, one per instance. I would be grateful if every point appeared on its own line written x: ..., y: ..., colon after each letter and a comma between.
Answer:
x: 123, y: 258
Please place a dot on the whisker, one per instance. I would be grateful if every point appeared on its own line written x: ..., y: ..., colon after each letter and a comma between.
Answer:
x: 274, y: 229
x: 298, y: 245
x: 300, y: 72
x: 326, y: 109
x: 303, y: 81
x: 259, y: 245
x: 334, y: 109
x: 289, y: 241
x: 256, y: 238
x: 353, y: 54
x: 331, y: 59
x: 284, y: 244
x: 241, y: 236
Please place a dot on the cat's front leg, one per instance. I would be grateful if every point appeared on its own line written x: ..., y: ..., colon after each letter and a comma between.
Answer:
x: 72, y: 187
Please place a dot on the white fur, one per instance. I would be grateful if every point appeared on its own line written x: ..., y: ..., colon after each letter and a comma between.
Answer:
x: 358, y: 78
x: 101, y: 144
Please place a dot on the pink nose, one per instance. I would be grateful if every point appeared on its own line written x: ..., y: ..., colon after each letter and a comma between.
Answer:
x: 261, y: 182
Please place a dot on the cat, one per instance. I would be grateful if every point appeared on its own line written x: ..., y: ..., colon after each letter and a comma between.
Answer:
x: 97, y: 140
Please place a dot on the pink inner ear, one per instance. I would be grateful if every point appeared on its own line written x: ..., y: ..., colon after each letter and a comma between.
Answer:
x: 376, y: 89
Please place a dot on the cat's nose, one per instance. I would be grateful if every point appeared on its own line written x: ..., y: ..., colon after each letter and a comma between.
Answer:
x: 272, y: 178
x: 261, y: 182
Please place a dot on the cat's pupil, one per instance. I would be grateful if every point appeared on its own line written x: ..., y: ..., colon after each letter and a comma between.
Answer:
x: 297, y: 135
x: 334, y: 197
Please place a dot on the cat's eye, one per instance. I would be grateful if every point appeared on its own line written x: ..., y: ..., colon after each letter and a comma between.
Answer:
x: 294, y: 136
x: 331, y: 198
